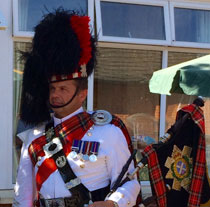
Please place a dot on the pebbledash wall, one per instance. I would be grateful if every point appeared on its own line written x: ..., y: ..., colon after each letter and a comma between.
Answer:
x: 126, y: 60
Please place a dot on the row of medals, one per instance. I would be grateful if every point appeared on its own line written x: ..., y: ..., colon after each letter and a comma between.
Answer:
x: 100, y: 117
x: 84, y: 157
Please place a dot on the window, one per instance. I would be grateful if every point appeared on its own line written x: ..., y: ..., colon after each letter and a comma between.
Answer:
x: 138, y: 22
x: 190, y: 24
x: 121, y: 87
x: 3, y: 24
x: 27, y: 13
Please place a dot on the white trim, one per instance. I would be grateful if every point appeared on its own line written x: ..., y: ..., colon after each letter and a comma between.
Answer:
x: 144, y: 2
x: 163, y: 98
x: 163, y: 4
x: 91, y: 77
x: 186, y: 5
x: 130, y: 40
x: 98, y: 19
x: 153, y: 47
x: 15, y: 17
x: 91, y: 14
x: 90, y: 92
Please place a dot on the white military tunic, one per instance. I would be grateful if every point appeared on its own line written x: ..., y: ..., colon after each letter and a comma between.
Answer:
x: 113, y: 154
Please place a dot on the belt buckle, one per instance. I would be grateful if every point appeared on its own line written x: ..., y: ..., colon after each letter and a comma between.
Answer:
x: 48, y: 202
x: 57, y: 146
x: 73, y: 183
x: 58, y: 202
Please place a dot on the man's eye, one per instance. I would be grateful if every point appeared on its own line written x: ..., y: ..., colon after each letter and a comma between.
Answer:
x: 63, y: 89
x: 52, y: 89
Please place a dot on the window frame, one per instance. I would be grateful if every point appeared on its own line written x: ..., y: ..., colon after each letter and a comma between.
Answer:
x: 104, y: 38
x: 29, y: 34
x: 186, y: 5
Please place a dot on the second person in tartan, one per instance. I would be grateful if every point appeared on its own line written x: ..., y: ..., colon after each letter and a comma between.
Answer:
x: 73, y: 157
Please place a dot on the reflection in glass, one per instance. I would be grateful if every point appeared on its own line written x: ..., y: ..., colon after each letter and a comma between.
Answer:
x: 192, y: 25
x: 18, y: 126
x: 133, y: 21
x: 31, y: 12
x: 121, y: 87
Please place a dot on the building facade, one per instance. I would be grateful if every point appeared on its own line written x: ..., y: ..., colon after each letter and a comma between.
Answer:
x: 135, y: 38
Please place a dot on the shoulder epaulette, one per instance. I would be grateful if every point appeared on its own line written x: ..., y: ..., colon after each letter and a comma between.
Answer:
x: 101, y: 117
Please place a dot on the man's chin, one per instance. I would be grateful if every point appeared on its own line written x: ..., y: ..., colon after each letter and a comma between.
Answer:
x: 54, y: 106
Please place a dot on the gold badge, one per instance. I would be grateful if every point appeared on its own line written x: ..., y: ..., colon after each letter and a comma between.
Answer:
x: 180, y: 168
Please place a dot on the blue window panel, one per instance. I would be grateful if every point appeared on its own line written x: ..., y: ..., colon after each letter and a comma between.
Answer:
x: 133, y: 21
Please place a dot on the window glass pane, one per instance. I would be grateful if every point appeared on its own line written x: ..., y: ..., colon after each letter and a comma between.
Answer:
x: 133, y: 21
x: 192, y: 25
x: 121, y: 87
x: 177, y: 101
x: 18, y: 126
x: 31, y: 12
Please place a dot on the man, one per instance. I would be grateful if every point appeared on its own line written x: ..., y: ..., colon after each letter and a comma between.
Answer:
x: 73, y: 158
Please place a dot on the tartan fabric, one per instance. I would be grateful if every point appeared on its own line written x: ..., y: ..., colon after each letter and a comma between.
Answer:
x: 119, y: 123
x: 156, y: 163
x: 199, y: 168
x: 156, y: 175
x: 73, y: 128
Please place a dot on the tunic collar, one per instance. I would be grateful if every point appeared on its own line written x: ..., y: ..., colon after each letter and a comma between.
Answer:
x: 58, y: 121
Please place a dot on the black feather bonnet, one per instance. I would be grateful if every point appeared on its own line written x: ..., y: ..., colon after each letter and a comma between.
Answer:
x: 62, y: 47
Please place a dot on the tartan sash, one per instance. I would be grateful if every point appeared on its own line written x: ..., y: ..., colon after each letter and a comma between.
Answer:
x: 73, y: 128
x: 198, y: 174
x: 67, y: 131
x: 200, y: 163
x: 156, y: 175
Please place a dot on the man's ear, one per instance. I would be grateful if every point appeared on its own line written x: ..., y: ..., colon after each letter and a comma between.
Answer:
x: 83, y: 95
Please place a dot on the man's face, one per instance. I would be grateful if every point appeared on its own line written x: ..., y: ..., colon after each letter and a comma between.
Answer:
x: 61, y: 92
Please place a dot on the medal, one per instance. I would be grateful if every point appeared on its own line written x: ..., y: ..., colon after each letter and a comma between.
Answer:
x: 93, y: 158
x: 73, y: 154
x: 79, y: 156
x: 85, y: 157
x: 94, y: 151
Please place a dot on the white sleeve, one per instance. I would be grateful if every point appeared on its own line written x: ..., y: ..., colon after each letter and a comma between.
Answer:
x: 25, y: 181
x: 126, y: 195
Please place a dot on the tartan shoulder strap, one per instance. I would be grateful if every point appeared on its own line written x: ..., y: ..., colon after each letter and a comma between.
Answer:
x: 76, y: 126
x: 119, y: 123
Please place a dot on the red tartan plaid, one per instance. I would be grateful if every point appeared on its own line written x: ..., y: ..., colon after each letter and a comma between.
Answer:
x: 119, y: 123
x: 73, y: 128
x: 199, y: 169
x: 156, y: 175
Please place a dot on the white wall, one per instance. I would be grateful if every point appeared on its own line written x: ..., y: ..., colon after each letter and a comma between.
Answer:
x: 6, y: 78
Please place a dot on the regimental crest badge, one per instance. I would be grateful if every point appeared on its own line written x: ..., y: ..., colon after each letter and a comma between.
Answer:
x: 101, y: 117
x: 180, y: 168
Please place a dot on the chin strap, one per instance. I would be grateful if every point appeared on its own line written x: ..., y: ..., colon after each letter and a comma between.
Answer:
x: 68, y: 102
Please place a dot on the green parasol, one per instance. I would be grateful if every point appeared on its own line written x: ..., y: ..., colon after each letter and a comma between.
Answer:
x: 191, y: 78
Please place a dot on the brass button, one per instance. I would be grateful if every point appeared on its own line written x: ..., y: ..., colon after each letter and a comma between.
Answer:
x: 89, y: 134
x: 82, y: 165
